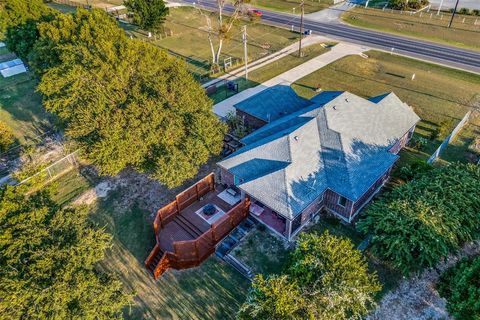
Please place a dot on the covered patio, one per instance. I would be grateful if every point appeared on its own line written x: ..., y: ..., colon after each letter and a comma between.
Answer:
x: 268, y: 217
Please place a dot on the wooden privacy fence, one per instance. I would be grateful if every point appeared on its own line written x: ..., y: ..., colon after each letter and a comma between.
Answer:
x: 182, y: 201
x: 188, y: 254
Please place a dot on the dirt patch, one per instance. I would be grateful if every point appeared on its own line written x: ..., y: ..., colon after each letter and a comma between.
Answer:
x: 416, y: 297
x: 136, y: 188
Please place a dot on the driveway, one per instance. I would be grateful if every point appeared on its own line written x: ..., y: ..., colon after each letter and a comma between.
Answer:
x: 332, y: 14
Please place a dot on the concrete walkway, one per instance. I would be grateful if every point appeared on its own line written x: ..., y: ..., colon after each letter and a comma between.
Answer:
x: 337, y: 52
x: 239, y: 72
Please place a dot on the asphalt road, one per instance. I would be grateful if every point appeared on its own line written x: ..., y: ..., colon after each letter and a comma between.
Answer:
x: 451, y: 56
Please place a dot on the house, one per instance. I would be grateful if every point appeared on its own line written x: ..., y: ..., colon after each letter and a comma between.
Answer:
x: 333, y: 152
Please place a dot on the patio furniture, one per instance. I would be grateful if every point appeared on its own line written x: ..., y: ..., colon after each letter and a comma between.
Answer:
x: 256, y: 210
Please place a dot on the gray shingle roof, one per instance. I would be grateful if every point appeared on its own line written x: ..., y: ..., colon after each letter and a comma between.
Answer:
x: 341, y: 144
x: 273, y: 103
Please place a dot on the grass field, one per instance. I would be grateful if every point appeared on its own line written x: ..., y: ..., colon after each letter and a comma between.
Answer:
x: 102, y: 4
x: 270, y: 71
x: 438, y: 94
x: 21, y: 107
x: 189, y: 39
x: 463, y: 34
x: 212, y: 291
x: 288, y: 5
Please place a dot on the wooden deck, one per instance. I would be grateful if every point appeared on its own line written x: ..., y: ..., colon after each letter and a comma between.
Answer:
x: 188, y: 225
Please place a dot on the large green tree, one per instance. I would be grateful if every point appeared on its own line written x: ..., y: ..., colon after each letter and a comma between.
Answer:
x: 91, y: 33
x: 460, y: 285
x: 148, y: 14
x: 333, y: 277
x: 326, y: 278
x: 48, y: 258
x: 274, y: 298
x: 417, y: 223
x: 17, y: 12
x: 126, y: 102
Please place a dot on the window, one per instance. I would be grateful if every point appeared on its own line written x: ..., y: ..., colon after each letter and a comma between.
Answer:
x: 342, y: 201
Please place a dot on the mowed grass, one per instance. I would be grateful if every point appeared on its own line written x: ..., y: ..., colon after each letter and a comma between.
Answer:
x: 21, y: 107
x: 189, y: 39
x: 438, y: 94
x: 212, y: 291
x: 270, y: 71
x: 288, y: 5
x: 463, y: 34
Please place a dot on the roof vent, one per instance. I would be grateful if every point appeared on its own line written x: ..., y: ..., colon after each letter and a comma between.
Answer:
x: 346, y: 99
x: 334, y: 107
x: 296, y: 138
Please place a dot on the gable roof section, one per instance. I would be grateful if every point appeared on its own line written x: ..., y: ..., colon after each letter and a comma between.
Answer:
x: 341, y: 144
x: 273, y: 103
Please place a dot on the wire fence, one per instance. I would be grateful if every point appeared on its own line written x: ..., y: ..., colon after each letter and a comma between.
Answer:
x: 450, y: 137
x: 47, y: 174
x: 427, y: 16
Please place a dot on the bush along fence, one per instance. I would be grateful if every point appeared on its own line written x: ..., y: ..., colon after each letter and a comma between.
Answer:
x: 191, y: 253
x: 447, y: 140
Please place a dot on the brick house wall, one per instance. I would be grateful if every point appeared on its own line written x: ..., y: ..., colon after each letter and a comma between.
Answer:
x: 331, y: 202
x: 364, y: 198
x: 402, y: 142
x: 250, y: 121
x: 226, y: 177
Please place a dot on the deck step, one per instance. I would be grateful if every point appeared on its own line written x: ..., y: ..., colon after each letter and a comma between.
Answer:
x: 155, y: 261
x: 189, y: 227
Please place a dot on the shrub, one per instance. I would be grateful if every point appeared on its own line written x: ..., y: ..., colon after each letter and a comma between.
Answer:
x: 6, y: 137
x: 460, y: 285
x: 415, y: 169
x: 464, y: 11
x: 274, y: 298
x: 418, y: 143
x: 419, y: 222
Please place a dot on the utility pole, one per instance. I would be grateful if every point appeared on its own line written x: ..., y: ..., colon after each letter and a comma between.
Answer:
x: 440, y: 8
x: 244, y: 36
x: 453, y: 14
x: 301, y: 30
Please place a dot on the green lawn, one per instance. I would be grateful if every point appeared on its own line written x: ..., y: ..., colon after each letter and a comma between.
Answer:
x: 438, y: 94
x: 288, y: 5
x: 270, y: 71
x: 424, y: 26
x: 212, y: 291
x: 263, y: 252
x: 189, y: 39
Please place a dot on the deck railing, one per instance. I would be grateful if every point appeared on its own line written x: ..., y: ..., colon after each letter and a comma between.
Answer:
x: 188, y: 254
